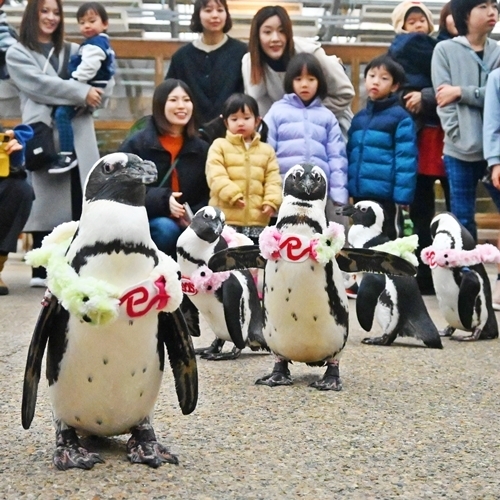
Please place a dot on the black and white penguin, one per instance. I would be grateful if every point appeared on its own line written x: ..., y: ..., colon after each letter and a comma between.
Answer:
x: 463, y: 291
x: 228, y: 301
x: 306, y: 314
x: 394, y: 301
x: 104, y: 378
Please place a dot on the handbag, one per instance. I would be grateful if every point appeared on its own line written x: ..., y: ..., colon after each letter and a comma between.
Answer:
x: 40, y: 150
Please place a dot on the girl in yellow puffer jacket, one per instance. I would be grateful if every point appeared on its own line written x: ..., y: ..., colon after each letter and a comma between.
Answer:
x: 242, y: 172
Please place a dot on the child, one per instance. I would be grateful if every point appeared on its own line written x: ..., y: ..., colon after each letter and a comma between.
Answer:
x: 94, y: 64
x: 412, y: 48
x: 242, y: 172
x: 382, y: 145
x: 460, y: 68
x: 491, y: 142
x: 302, y: 129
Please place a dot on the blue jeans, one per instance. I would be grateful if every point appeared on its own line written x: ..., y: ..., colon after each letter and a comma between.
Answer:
x: 463, y: 177
x: 164, y: 232
x: 62, y: 117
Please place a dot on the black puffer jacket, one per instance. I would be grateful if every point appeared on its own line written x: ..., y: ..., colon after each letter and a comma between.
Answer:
x: 190, y: 169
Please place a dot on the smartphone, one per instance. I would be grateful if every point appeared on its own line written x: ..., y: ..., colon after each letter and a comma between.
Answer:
x: 4, y: 139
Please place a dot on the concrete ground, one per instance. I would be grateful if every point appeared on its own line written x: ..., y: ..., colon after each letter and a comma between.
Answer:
x: 410, y: 423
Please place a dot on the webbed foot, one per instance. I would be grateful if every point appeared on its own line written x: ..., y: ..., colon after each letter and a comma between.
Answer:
x: 447, y: 332
x: 383, y: 340
x: 215, y: 347
x: 69, y: 453
x: 235, y: 353
x: 279, y: 376
x: 143, y: 448
x: 330, y: 381
x: 469, y: 338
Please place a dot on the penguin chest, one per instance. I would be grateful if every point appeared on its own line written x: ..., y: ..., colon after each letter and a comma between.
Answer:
x: 387, y: 310
x: 447, y: 293
x: 213, y: 311
x: 300, y: 325
x: 109, y: 377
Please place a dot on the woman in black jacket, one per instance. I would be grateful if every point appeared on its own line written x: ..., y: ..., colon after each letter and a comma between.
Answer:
x: 169, y: 140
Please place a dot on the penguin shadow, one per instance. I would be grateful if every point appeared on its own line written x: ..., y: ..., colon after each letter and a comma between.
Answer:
x: 114, y: 448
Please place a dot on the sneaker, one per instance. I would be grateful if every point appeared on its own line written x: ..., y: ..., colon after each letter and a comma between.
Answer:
x: 38, y: 283
x: 352, y: 291
x: 66, y: 162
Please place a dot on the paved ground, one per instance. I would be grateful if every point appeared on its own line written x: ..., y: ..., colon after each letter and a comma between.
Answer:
x: 410, y: 423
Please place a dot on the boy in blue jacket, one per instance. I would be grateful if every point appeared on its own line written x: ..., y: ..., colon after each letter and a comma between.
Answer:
x: 382, y: 145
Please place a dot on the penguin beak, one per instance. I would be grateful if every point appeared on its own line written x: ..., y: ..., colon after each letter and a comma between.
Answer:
x: 307, y: 184
x: 347, y: 210
x: 145, y: 171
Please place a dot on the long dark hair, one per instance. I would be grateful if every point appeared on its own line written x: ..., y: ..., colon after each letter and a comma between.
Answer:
x: 256, y: 52
x: 312, y: 67
x: 28, y: 32
x: 160, y: 97
x: 197, y: 27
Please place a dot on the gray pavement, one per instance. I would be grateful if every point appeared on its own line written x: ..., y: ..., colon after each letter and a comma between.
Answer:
x: 411, y: 422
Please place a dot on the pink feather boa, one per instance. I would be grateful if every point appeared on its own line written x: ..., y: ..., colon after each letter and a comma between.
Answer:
x: 206, y: 281
x: 482, y: 254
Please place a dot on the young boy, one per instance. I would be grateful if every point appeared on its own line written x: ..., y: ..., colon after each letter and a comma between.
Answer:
x: 382, y: 145
x: 412, y: 47
x: 460, y: 68
x: 93, y: 64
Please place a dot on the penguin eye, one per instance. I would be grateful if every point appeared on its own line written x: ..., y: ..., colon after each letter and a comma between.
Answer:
x: 205, y: 215
x: 297, y: 174
x: 108, y: 168
x: 363, y: 209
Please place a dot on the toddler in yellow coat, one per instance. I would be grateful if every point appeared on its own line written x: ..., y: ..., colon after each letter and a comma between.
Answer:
x: 242, y: 172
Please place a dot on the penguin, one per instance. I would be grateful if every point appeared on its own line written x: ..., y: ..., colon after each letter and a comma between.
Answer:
x: 230, y: 301
x: 104, y: 378
x: 463, y: 292
x: 306, y: 314
x: 394, y: 301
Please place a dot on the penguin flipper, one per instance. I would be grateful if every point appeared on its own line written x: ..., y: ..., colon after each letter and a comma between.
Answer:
x: 369, y: 292
x: 357, y: 260
x: 191, y: 315
x: 470, y: 287
x: 237, y: 258
x: 43, y: 328
x: 173, y: 330
x: 232, y: 295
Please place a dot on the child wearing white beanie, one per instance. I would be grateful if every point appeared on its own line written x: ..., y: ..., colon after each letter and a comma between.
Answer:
x: 402, y: 11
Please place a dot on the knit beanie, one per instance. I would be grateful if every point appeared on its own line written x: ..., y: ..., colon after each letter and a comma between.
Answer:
x: 399, y: 15
x: 460, y: 10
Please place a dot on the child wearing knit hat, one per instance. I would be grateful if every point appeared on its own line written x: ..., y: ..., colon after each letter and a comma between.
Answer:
x: 412, y: 47
x: 460, y: 69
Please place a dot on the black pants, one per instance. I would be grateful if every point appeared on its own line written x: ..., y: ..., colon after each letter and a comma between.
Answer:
x: 16, y: 198
x: 422, y: 211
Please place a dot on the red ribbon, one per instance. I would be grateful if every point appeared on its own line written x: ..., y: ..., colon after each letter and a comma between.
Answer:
x: 141, y: 295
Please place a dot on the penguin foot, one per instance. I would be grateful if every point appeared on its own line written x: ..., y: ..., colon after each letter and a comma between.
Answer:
x: 330, y: 381
x: 235, y: 353
x: 279, y: 376
x: 143, y: 448
x: 447, y: 332
x: 215, y: 347
x: 383, y: 340
x: 69, y: 453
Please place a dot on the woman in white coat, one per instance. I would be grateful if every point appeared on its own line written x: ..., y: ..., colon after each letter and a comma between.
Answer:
x: 270, y: 49
x: 37, y: 65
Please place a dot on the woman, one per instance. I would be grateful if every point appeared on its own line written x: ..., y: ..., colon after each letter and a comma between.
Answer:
x: 38, y: 66
x: 211, y: 65
x: 271, y: 47
x: 169, y: 140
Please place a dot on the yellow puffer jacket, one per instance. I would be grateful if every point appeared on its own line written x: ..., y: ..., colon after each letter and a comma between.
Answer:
x: 235, y: 172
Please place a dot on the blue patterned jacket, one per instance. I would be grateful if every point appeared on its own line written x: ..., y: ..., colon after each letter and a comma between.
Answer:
x: 382, y: 152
